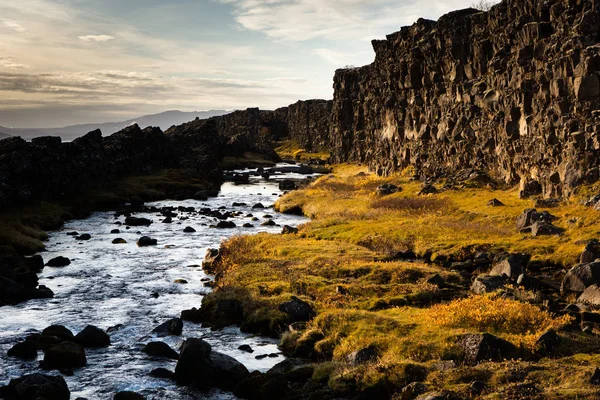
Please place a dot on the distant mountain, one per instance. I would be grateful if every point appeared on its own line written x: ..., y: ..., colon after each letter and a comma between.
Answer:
x: 4, y: 135
x: 163, y: 120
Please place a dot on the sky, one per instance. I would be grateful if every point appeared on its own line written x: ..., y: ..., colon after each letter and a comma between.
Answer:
x: 65, y: 62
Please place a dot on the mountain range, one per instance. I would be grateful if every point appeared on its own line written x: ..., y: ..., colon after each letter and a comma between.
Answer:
x: 163, y: 120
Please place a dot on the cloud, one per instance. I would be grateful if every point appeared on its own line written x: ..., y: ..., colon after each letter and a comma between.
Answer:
x: 10, y: 63
x: 13, y: 25
x: 96, y: 38
x: 336, y: 58
x: 302, y: 20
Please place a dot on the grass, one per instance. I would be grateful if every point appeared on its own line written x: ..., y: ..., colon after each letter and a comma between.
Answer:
x: 342, y: 263
x: 23, y: 230
x: 291, y: 150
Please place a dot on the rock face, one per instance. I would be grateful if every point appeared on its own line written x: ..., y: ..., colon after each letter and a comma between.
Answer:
x: 513, y: 92
x: 308, y: 123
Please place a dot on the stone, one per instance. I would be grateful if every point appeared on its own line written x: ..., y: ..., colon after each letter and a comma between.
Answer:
x: 189, y: 229
x: 85, y: 236
x: 412, y: 390
x: 146, y: 241
x: 193, y: 315
x: 590, y: 296
x: 194, y: 360
x: 591, y: 252
x: 363, y: 356
x: 545, y: 229
x: 211, y: 258
x: 258, y: 206
x: 513, y: 266
x: 201, y: 195
x: 127, y: 395
x: 428, y: 189
x: 119, y: 241
x: 495, y: 203
x: 59, y: 332
x: 547, y: 343
x: 171, y: 327
x: 134, y: 221
x: 436, y: 280
x: 580, y: 277
x: 595, y: 378
x: 168, y: 220
x: 487, y: 284
x: 269, y: 223
x: 36, y: 387
x: 25, y: 351
x: 160, y: 349
x: 162, y: 373
x: 226, y: 225
x: 485, y: 347
x: 288, y: 230
x: 58, y: 262
x: 297, y: 310
x: 246, y: 348
x: 287, y: 185
x: 530, y: 188
x: 65, y: 355
x: 387, y: 189
x: 92, y: 337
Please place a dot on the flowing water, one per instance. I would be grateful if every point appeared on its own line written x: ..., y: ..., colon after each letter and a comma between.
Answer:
x: 110, y: 285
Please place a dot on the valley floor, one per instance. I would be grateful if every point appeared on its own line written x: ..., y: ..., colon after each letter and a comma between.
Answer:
x: 389, y: 277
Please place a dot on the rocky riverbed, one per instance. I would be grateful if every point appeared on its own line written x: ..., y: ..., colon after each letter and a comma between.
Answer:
x: 129, y: 290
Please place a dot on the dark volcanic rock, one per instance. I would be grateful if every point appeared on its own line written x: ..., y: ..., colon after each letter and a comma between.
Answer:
x: 58, y: 262
x: 171, y: 327
x: 591, y: 252
x: 25, y: 350
x: 580, y: 277
x: 36, y: 387
x: 387, y: 189
x: 486, y: 347
x: 160, y: 349
x: 134, y: 221
x: 297, y: 310
x: 146, y: 241
x: 91, y: 337
x: 19, y: 281
x: 128, y: 396
x: 65, y: 355
x: 487, y: 283
x: 189, y: 229
x: 288, y: 230
x: 60, y: 332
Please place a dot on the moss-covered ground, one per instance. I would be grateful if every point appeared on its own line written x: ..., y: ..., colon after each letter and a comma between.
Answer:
x: 344, y: 262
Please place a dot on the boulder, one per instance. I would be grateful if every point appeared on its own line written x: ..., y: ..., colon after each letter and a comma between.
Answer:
x: 288, y: 230
x: 495, y: 203
x: 590, y: 296
x: 85, y: 236
x: 26, y: 350
x: 171, y: 327
x: 194, y: 362
x: 134, y: 221
x: 92, y: 337
x: 36, y: 387
x: 591, y: 252
x: 363, y: 356
x: 193, y: 315
x: 530, y: 188
x: 580, y: 277
x: 65, y: 355
x: 258, y: 206
x: 127, y: 395
x: 119, y: 241
x: 226, y: 225
x: 246, y: 348
x: 297, y: 310
x: 160, y: 349
x: 387, y: 189
x: 58, y: 262
x: 487, y: 284
x: 211, y: 258
x: 227, y: 372
x: 201, y: 195
x: 547, y: 343
x: 145, y: 241
x: 542, y: 228
x: 162, y: 373
x: 428, y: 189
x: 478, y: 347
x: 189, y: 229
x: 287, y: 185
x: 59, y: 332
x: 513, y: 266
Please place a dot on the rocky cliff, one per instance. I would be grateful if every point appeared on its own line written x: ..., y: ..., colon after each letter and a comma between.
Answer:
x: 308, y: 123
x: 513, y: 92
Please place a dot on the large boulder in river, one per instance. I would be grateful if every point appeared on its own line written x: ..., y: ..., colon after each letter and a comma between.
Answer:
x: 59, y: 332
x: 58, y: 262
x: 580, y: 277
x: 134, y: 221
x: 200, y: 367
x: 36, y: 387
x: 92, y: 336
x: 25, y: 351
x: 171, y: 327
x: 65, y: 355
x: 145, y: 241
x: 127, y: 395
x: 297, y: 310
x: 160, y: 349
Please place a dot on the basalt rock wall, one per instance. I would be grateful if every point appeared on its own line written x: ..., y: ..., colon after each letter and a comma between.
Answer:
x: 46, y: 168
x: 513, y: 92
x: 308, y: 123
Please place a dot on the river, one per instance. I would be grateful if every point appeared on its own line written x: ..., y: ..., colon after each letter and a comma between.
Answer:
x: 110, y: 285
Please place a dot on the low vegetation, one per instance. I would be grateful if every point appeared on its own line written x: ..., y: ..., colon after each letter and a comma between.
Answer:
x: 347, y: 262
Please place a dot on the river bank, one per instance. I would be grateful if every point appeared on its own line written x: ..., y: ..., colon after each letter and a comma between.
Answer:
x: 413, y: 285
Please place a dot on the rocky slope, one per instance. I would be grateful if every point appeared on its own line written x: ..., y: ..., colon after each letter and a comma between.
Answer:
x: 513, y: 92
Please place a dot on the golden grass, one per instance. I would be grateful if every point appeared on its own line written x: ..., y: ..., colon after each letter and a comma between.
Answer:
x: 290, y: 149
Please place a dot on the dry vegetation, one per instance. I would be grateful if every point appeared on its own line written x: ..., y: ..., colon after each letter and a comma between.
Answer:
x: 342, y: 262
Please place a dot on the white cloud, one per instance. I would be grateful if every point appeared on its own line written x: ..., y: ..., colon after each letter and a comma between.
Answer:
x: 13, y: 25
x: 10, y: 63
x: 96, y: 38
x: 301, y: 20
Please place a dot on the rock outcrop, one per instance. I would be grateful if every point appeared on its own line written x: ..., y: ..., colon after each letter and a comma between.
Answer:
x: 513, y: 92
